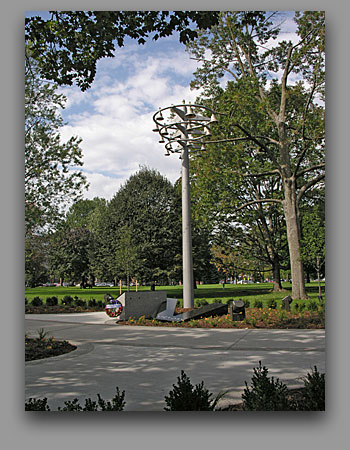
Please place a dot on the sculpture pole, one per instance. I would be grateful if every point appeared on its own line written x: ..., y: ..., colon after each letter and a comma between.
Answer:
x: 180, y: 125
x: 187, y: 261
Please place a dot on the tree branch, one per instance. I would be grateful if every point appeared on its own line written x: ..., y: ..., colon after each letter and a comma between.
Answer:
x: 261, y: 145
x: 217, y: 66
x: 281, y: 116
x: 309, y: 169
x: 262, y: 174
x: 254, y: 202
x: 306, y: 186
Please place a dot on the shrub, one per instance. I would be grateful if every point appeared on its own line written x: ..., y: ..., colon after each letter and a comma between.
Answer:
x: 247, y: 303
x: 312, y: 306
x: 100, y: 304
x: 51, y: 301
x: 67, y: 300
x: 34, y: 404
x: 185, y: 397
x: 266, y: 394
x: 79, y: 302
x: 314, y: 393
x: 218, y: 300
x: 296, y: 306
x: 41, y: 334
x: 179, y: 304
x: 92, y: 303
x: 258, y: 304
x: 25, y: 301
x: 322, y: 313
x: 272, y: 304
x: 201, y: 302
x: 37, y: 301
x: 117, y: 404
x: 72, y: 406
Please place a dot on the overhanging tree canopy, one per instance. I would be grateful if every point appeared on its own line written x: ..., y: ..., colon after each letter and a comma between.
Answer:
x: 68, y: 45
x: 53, y: 177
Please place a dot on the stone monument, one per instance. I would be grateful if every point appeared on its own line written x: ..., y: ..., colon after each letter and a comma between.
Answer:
x: 138, y: 304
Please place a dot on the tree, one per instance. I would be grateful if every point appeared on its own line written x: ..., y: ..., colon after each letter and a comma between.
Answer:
x: 254, y: 243
x: 68, y: 45
x: 276, y: 126
x: 36, y: 263
x: 69, y: 254
x: 314, y: 239
x: 148, y: 205
x: 52, y: 178
x: 72, y: 246
x: 126, y: 255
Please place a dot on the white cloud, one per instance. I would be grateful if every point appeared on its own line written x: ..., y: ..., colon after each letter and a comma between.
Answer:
x: 114, y: 117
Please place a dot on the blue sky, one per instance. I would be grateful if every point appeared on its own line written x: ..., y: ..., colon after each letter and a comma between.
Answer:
x: 114, y: 116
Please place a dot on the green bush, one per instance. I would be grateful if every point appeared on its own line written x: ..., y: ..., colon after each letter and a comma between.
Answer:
x: 67, y: 300
x: 37, y: 301
x: 314, y: 395
x: 247, y: 303
x: 258, y: 304
x: 79, y: 302
x: 117, y: 404
x: 312, y: 306
x: 266, y: 394
x: 272, y: 304
x: 179, y: 304
x: 201, y: 302
x: 92, y: 303
x: 51, y: 301
x: 34, y: 404
x: 100, y: 304
x: 185, y: 397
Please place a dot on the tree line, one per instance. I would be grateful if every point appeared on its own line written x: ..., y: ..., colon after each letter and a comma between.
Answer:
x: 137, y: 234
x: 257, y: 191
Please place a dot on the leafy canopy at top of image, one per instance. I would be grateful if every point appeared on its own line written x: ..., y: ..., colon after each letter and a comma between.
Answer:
x: 69, y: 44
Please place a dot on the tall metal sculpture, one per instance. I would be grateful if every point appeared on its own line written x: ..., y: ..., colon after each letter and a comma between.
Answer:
x: 183, y: 129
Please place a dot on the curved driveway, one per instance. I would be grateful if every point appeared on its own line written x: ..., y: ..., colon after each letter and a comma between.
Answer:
x: 146, y: 361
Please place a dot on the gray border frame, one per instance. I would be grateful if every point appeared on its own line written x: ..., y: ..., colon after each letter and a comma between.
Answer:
x: 176, y: 430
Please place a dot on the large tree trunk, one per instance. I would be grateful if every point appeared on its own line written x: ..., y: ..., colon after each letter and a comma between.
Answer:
x: 290, y: 205
x: 293, y: 233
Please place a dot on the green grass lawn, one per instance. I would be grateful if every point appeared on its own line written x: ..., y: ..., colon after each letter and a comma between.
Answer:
x: 209, y: 292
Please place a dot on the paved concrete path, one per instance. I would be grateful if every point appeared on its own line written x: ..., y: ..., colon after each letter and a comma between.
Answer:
x: 146, y: 361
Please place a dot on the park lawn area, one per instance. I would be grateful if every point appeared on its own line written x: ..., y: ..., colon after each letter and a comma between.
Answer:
x: 209, y: 292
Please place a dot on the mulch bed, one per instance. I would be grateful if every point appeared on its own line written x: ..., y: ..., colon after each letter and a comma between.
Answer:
x: 255, y: 318
x: 36, y: 348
